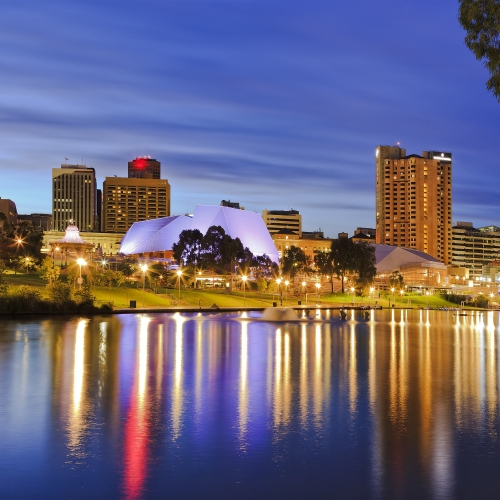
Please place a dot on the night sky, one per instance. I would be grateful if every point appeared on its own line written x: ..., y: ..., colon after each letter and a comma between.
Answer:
x: 274, y: 104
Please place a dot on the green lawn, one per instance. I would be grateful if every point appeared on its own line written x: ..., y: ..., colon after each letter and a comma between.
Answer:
x: 121, y: 297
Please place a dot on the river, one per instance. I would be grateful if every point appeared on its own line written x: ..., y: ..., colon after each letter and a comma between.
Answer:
x: 403, y: 404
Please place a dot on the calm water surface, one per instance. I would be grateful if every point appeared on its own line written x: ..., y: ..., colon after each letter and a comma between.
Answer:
x: 403, y: 405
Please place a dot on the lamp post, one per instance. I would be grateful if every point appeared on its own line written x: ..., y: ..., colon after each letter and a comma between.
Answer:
x: 371, y: 292
x: 179, y: 274
x: 318, y: 287
x: 352, y: 291
x: 392, y: 290
x: 286, y: 289
x: 27, y: 261
x: 81, y: 262
x: 279, y: 296
x: 103, y: 262
x: 303, y: 288
x: 244, y: 279
x: 144, y: 268
x: 427, y: 293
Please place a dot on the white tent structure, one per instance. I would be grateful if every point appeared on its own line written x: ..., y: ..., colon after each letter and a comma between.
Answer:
x: 159, y: 235
x: 390, y: 258
x: 417, y: 268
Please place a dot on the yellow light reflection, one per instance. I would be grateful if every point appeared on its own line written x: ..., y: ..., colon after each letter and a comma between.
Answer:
x: 303, y: 395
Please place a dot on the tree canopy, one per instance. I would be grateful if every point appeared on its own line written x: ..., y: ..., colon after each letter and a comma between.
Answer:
x: 481, y: 21
x: 356, y: 259
x: 294, y: 261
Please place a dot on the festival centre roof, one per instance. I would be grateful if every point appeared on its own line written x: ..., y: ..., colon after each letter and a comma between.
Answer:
x: 389, y: 258
x: 159, y: 235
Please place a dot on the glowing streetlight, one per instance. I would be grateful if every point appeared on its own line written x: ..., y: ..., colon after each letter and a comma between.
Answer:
x: 279, y: 280
x: 144, y: 268
x: 352, y: 291
x: 318, y: 287
x: 371, y: 292
x: 179, y: 274
x: 244, y: 279
x: 286, y: 289
x: 81, y: 262
x: 27, y: 260
x: 103, y: 262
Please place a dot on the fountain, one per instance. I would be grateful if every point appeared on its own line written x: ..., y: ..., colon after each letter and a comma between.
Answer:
x: 280, y: 314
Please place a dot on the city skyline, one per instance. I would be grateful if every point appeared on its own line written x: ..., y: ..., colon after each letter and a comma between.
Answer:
x: 273, y: 105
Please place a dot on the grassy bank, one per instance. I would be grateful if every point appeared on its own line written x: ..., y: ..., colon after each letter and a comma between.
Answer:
x: 169, y: 297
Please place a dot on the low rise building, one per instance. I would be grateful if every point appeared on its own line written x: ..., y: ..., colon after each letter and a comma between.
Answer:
x: 8, y: 208
x: 285, y: 238
x: 276, y: 220
x: 40, y: 220
x: 473, y: 248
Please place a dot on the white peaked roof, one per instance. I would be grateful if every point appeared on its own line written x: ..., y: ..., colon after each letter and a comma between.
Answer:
x: 388, y: 258
x: 158, y: 235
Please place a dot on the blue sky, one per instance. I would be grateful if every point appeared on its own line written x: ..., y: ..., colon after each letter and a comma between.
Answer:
x: 275, y: 104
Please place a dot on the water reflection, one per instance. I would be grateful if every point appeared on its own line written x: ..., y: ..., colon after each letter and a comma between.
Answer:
x: 154, y: 400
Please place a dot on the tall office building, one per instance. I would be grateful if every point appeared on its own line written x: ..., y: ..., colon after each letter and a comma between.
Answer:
x: 413, y: 200
x: 129, y: 200
x: 74, y: 197
x: 144, y: 167
x: 276, y: 220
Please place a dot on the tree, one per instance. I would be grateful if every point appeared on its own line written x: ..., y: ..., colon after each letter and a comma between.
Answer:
x: 324, y: 264
x: 294, y: 261
x: 47, y: 271
x: 31, y: 236
x: 127, y: 266
x: 364, y: 263
x: 188, y: 249
x: 396, y: 280
x: 3, y: 283
x: 481, y: 21
x: 342, y: 255
x: 211, y: 248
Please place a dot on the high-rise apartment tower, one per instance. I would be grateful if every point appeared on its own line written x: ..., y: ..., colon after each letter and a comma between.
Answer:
x: 413, y: 200
x: 74, y: 197
x: 144, y: 167
x: 126, y: 201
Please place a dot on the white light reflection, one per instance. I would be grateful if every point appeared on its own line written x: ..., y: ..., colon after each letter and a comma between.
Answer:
x: 143, y: 358
x: 177, y: 392
x: 78, y: 370
x: 353, y: 386
x: 243, y: 399
x: 76, y: 424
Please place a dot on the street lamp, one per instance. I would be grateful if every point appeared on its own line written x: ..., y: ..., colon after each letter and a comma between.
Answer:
x: 144, y: 268
x: 179, y: 274
x: 103, y: 262
x: 81, y: 262
x: 392, y: 290
x: 318, y: 286
x: 27, y: 260
x: 371, y: 291
x: 286, y: 289
x: 244, y: 279
x: 352, y: 291
x: 427, y: 293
